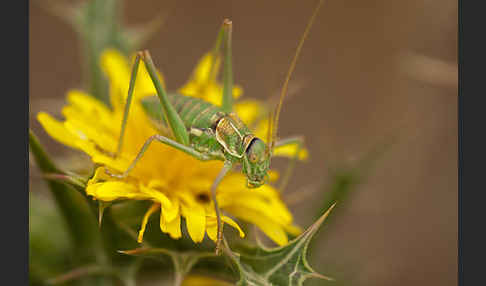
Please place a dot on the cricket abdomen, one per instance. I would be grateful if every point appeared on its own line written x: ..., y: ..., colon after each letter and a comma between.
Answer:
x: 195, y: 112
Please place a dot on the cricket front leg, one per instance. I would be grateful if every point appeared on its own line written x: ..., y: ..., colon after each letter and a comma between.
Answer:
x: 164, y: 140
x: 299, y: 141
x: 226, y: 168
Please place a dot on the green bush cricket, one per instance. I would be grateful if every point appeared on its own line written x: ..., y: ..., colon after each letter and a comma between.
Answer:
x: 209, y: 132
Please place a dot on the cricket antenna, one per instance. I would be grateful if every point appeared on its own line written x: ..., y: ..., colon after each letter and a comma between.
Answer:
x: 269, y: 149
x: 289, y: 73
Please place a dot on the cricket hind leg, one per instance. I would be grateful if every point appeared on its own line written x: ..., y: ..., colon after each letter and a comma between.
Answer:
x: 174, y: 121
x: 126, y: 111
x: 164, y: 140
x: 299, y: 140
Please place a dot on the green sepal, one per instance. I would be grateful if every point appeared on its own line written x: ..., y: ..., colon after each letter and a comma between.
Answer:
x: 285, y: 265
x: 101, y: 210
x: 74, y: 180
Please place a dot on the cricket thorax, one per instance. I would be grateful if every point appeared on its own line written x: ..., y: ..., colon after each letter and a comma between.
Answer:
x: 225, y: 137
x: 233, y: 135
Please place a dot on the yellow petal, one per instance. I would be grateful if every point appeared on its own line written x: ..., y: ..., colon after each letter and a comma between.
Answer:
x: 212, y: 92
x: 172, y: 212
x: 270, y: 208
x: 212, y: 226
x: 88, y: 104
x: 172, y: 227
x: 204, y: 85
x: 237, y: 91
x: 233, y: 191
x: 271, y: 228
x: 189, y: 89
x: 115, y: 67
x: 289, y: 151
x: 261, y: 129
x: 156, y: 195
x: 120, y: 164
x: 249, y: 110
x: 195, y: 221
x: 114, y: 190
x: 158, y: 184
x: 146, y: 217
x: 293, y: 229
x: 89, y: 131
x: 202, y: 71
x: 212, y: 232
x: 118, y: 69
x: 274, y: 175
x: 98, y: 175
x: 57, y: 130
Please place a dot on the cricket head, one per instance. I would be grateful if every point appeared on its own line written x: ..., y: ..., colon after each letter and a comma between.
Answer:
x: 256, y: 163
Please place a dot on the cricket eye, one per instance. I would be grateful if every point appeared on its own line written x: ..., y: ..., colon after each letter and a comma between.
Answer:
x: 255, y: 150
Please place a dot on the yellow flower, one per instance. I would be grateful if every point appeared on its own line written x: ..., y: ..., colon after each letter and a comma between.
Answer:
x: 177, y: 183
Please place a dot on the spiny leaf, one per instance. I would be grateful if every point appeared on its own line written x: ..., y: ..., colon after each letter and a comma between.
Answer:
x: 183, y: 261
x: 285, y: 265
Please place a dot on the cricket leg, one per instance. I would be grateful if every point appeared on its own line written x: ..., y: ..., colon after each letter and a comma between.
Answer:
x: 227, y: 167
x: 290, y: 168
x: 172, y: 117
x: 227, y: 104
x: 164, y: 140
x: 131, y: 86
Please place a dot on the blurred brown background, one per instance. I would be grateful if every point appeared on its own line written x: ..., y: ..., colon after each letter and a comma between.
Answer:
x: 369, y: 69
